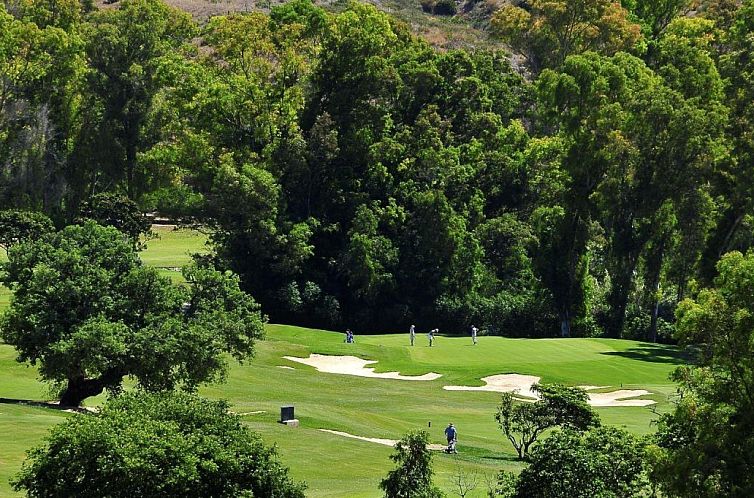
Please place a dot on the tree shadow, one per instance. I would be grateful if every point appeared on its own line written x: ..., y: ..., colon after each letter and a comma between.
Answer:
x: 657, y: 353
x: 52, y: 405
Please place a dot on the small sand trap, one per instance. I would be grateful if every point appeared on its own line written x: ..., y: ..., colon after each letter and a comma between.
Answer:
x: 521, y: 385
x: 618, y: 398
x: 286, y: 367
x: 385, y: 442
x: 352, y: 365
x: 505, y: 383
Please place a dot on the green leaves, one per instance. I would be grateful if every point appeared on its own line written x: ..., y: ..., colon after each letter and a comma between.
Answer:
x: 705, y: 445
x: 155, y: 445
x: 90, y: 314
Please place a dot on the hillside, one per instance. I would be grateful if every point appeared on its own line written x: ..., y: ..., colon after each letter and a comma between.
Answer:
x: 446, y: 32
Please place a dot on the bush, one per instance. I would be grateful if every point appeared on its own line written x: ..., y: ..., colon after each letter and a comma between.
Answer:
x: 150, y: 445
x: 175, y: 202
x: 428, y: 6
x: 603, y: 461
x: 445, y: 8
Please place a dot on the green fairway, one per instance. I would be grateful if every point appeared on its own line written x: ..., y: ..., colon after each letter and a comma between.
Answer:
x: 173, y: 247
x: 383, y: 408
x: 336, y: 466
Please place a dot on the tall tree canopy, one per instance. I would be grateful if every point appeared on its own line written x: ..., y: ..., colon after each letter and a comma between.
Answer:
x: 706, y: 443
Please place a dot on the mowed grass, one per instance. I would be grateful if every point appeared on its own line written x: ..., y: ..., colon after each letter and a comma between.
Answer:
x: 336, y: 466
x: 173, y: 247
x: 341, y: 467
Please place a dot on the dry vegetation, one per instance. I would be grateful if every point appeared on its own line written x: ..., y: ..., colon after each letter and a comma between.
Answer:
x: 441, y: 32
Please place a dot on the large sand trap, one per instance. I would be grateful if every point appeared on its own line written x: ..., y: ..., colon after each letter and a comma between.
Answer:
x: 352, y: 365
x: 386, y: 442
x: 521, y: 385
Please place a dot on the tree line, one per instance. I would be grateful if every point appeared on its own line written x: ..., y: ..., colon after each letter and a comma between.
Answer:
x: 351, y: 174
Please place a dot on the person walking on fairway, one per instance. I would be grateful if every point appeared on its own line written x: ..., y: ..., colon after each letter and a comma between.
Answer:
x: 473, y: 334
x: 431, y: 336
x: 450, y: 434
x: 412, y: 333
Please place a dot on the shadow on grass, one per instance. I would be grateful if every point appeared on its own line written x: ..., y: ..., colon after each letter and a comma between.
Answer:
x: 656, y: 353
x: 44, y: 404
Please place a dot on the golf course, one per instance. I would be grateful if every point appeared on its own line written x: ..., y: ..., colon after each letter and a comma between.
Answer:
x: 372, y: 407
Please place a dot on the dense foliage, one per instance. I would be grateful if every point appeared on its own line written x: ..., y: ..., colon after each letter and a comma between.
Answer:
x: 604, y: 461
x: 153, y: 445
x: 87, y: 311
x: 706, y: 445
x: 354, y: 176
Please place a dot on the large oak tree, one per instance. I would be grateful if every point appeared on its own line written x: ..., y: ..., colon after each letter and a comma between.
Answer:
x: 89, y: 314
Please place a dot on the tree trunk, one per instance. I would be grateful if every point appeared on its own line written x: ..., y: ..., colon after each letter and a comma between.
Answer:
x: 655, y: 313
x: 80, y: 388
x: 565, y: 323
x: 618, y: 299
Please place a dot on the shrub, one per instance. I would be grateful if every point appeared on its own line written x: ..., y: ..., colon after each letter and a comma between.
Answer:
x: 150, y: 445
x: 445, y: 8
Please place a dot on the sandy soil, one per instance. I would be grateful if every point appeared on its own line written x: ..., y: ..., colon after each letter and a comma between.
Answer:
x: 521, y: 385
x: 386, y: 442
x: 352, y: 365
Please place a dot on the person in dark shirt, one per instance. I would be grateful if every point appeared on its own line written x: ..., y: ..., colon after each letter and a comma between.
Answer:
x: 450, y: 434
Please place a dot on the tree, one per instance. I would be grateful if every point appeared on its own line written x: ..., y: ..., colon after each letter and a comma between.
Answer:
x: 123, y: 47
x: 633, y: 126
x: 117, y: 211
x: 603, y: 461
x: 19, y: 226
x: 734, y: 182
x: 548, y: 31
x: 412, y: 477
x: 657, y: 14
x: 523, y: 422
x: 40, y: 64
x: 706, y: 445
x: 151, y: 445
x: 87, y: 311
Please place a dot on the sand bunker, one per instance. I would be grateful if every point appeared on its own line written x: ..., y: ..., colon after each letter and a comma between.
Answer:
x: 386, y: 442
x: 618, y: 398
x: 286, y: 367
x: 506, y: 383
x: 352, y: 365
x: 521, y: 385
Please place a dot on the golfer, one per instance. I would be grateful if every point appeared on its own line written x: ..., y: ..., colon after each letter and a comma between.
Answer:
x: 431, y: 336
x: 474, y: 330
x: 450, y: 434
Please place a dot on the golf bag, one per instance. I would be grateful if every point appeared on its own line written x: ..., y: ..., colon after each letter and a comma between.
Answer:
x: 451, y: 447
